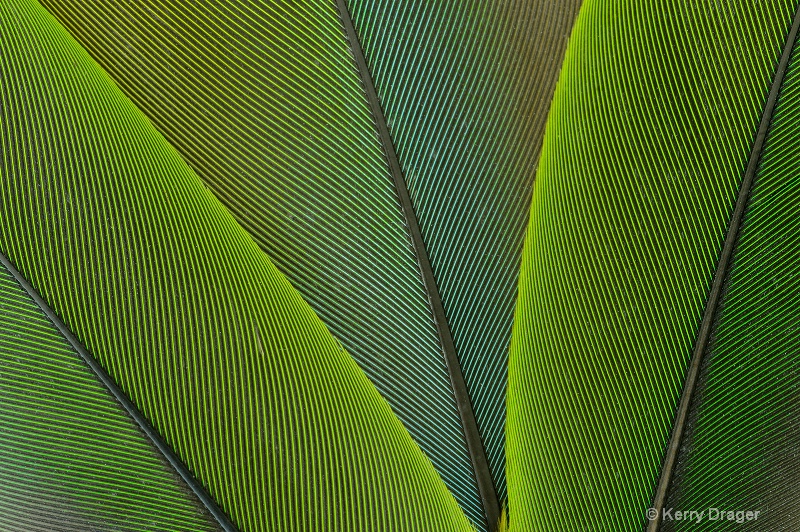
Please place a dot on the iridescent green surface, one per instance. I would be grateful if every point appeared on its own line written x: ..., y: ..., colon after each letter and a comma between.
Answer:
x: 263, y: 102
x: 185, y: 312
x: 742, y: 448
x: 649, y: 133
x: 466, y: 87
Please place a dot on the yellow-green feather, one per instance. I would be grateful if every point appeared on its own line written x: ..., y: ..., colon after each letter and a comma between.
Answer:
x: 181, y: 307
x: 648, y: 136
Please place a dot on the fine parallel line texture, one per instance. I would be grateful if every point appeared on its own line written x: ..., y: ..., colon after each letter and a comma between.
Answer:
x: 71, y: 459
x: 264, y: 102
x: 648, y: 137
x: 163, y: 450
x: 741, y: 450
x: 180, y: 306
x: 465, y: 88
x: 477, y: 453
x: 710, y: 312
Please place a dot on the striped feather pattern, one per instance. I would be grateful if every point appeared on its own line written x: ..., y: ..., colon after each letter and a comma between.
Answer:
x: 648, y: 136
x: 71, y: 457
x: 466, y: 87
x: 263, y: 101
x: 181, y: 307
x: 742, y: 447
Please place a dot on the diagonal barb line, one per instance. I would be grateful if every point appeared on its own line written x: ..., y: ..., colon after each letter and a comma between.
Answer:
x: 123, y: 400
x: 483, y: 476
x: 714, y: 296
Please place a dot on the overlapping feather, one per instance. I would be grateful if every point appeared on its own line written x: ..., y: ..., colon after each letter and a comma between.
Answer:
x: 741, y: 449
x: 181, y: 307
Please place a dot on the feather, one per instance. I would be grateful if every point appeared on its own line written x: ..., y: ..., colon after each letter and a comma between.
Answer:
x: 194, y: 323
x: 647, y: 140
x: 263, y: 102
x: 72, y: 458
x: 740, y: 452
x: 265, y: 256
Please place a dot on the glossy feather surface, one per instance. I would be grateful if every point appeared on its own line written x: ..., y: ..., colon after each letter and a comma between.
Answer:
x: 741, y: 449
x: 178, y: 303
x: 649, y: 133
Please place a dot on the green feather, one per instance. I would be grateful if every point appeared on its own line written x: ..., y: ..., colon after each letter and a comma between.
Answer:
x: 185, y: 312
x: 741, y: 452
x: 72, y: 458
x: 264, y: 103
x: 290, y: 233
x: 647, y: 140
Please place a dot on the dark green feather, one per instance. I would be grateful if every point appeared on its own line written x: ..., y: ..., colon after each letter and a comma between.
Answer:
x: 741, y: 451
x: 648, y: 137
x: 72, y: 459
